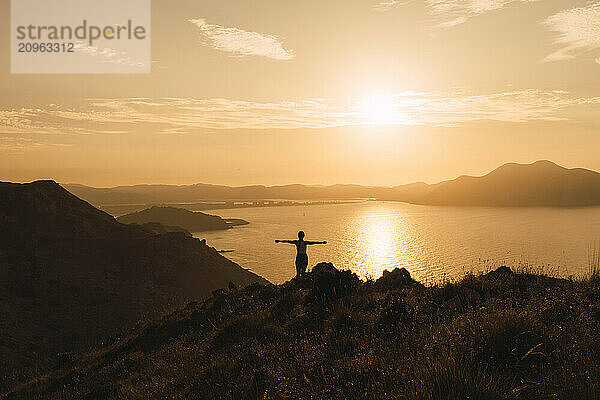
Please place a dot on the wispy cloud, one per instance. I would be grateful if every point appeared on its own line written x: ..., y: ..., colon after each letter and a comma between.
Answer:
x: 450, y: 13
x: 242, y: 43
x: 578, y: 31
x: 14, y: 121
x: 15, y: 144
x: 186, y: 115
x: 107, y: 55
x: 387, y: 4
x: 514, y: 106
x: 18, y: 144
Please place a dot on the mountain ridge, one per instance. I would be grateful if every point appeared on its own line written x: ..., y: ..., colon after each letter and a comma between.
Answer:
x: 542, y: 183
x: 583, y: 184
x: 71, y: 276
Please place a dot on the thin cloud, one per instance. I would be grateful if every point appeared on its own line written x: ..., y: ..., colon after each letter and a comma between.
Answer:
x: 188, y: 115
x: 22, y: 120
x: 387, y: 4
x: 450, y: 13
x: 578, y: 31
x: 107, y: 55
x: 12, y: 144
x: 516, y: 106
x: 15, y: 144
x: 242, y: 43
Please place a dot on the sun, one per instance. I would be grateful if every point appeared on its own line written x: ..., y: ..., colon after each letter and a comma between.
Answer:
x: 379, y: 110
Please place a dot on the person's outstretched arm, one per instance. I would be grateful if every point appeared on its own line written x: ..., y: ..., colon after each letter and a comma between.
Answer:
x: 316, y: 242
x: 286, y: 241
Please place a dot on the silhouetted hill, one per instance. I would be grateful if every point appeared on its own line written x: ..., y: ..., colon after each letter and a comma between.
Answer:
x: 540, y: 184
x: 159, y: 228
x: 171, y: 216
x: 164, y: 194
x: 330, y: 336
x: 71, y: 276
x: 408, y: 193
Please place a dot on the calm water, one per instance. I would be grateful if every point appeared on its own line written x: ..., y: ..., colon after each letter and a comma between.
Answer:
x: 431, y: 242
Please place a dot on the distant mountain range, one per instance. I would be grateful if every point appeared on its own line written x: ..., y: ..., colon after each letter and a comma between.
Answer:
x: 163, y: 194
x: 177, y: 217
x: 72, y: 277
x: 542, y: 183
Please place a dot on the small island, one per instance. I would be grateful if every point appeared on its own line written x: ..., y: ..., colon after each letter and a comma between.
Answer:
x: 179, y: 217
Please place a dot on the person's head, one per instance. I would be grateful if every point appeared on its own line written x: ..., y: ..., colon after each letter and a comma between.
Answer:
x: 301, y: 235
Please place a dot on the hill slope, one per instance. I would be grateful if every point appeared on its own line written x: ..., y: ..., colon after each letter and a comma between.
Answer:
x: 71, y: 276
x: 329, y: 336
x: 542, y: 183
x: 171, y: 216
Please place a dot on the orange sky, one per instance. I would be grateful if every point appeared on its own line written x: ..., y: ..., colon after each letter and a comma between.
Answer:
x: 274, y: 92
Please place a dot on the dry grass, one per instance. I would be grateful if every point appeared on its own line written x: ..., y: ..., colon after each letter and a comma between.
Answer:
x: 502, y: 335
x: 594, y: 261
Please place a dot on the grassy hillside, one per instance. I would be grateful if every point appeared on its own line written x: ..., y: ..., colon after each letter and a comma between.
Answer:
x: 329, y: 335
x: 72, y: 278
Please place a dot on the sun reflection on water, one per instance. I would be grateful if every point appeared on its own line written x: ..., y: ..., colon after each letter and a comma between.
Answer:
x: 381, y: 239
x: 432, y: 243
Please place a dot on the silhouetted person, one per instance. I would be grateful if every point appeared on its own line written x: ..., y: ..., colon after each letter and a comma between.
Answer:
x: 301, y: 256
